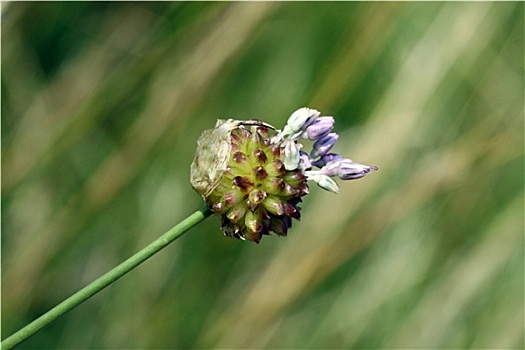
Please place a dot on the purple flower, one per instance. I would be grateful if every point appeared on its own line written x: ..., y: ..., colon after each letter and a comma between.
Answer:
x: 323, y: 145
x: 345, y: 169
x: 321, y: 127
x: 349, y: 170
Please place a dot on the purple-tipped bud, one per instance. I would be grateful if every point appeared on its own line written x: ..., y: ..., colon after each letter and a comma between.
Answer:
x: 349, y: 170
x: 323, y: 145
x: 239, y: 157
x: 321, y: 127
x: 321, y: 162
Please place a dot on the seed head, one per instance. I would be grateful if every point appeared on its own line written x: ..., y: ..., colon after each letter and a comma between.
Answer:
x: 239, y: 171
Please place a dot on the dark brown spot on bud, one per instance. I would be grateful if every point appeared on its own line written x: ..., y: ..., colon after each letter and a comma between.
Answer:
x: 243, y: 182
x: 260, y: 156
x: 260, y: 173
x: 239, y: 157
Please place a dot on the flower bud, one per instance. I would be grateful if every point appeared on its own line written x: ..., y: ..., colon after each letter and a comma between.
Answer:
x: 325, y: 182
x: 291, y: 155
x: 321, y: 127
x: 300, y: 119
x: 236, y: 213
x: 323, y: 145
x: 348, y: 170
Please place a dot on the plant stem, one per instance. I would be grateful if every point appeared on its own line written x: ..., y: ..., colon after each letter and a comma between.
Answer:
x: 106, y: 279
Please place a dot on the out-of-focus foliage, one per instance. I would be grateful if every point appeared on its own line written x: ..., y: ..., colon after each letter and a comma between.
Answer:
x: 102, y: 103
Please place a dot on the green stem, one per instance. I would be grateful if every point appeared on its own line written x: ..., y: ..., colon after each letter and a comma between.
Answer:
x: 106, y: 279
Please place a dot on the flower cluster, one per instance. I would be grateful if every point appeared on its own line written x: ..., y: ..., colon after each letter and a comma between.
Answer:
x: 306, y: 123
x: 255, y: 180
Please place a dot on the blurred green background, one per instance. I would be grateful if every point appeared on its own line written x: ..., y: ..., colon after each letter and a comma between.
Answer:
x: 102, y: 103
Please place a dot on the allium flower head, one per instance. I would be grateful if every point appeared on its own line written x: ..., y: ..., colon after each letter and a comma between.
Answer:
x: 239, y: 171
x: 253, y: 176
